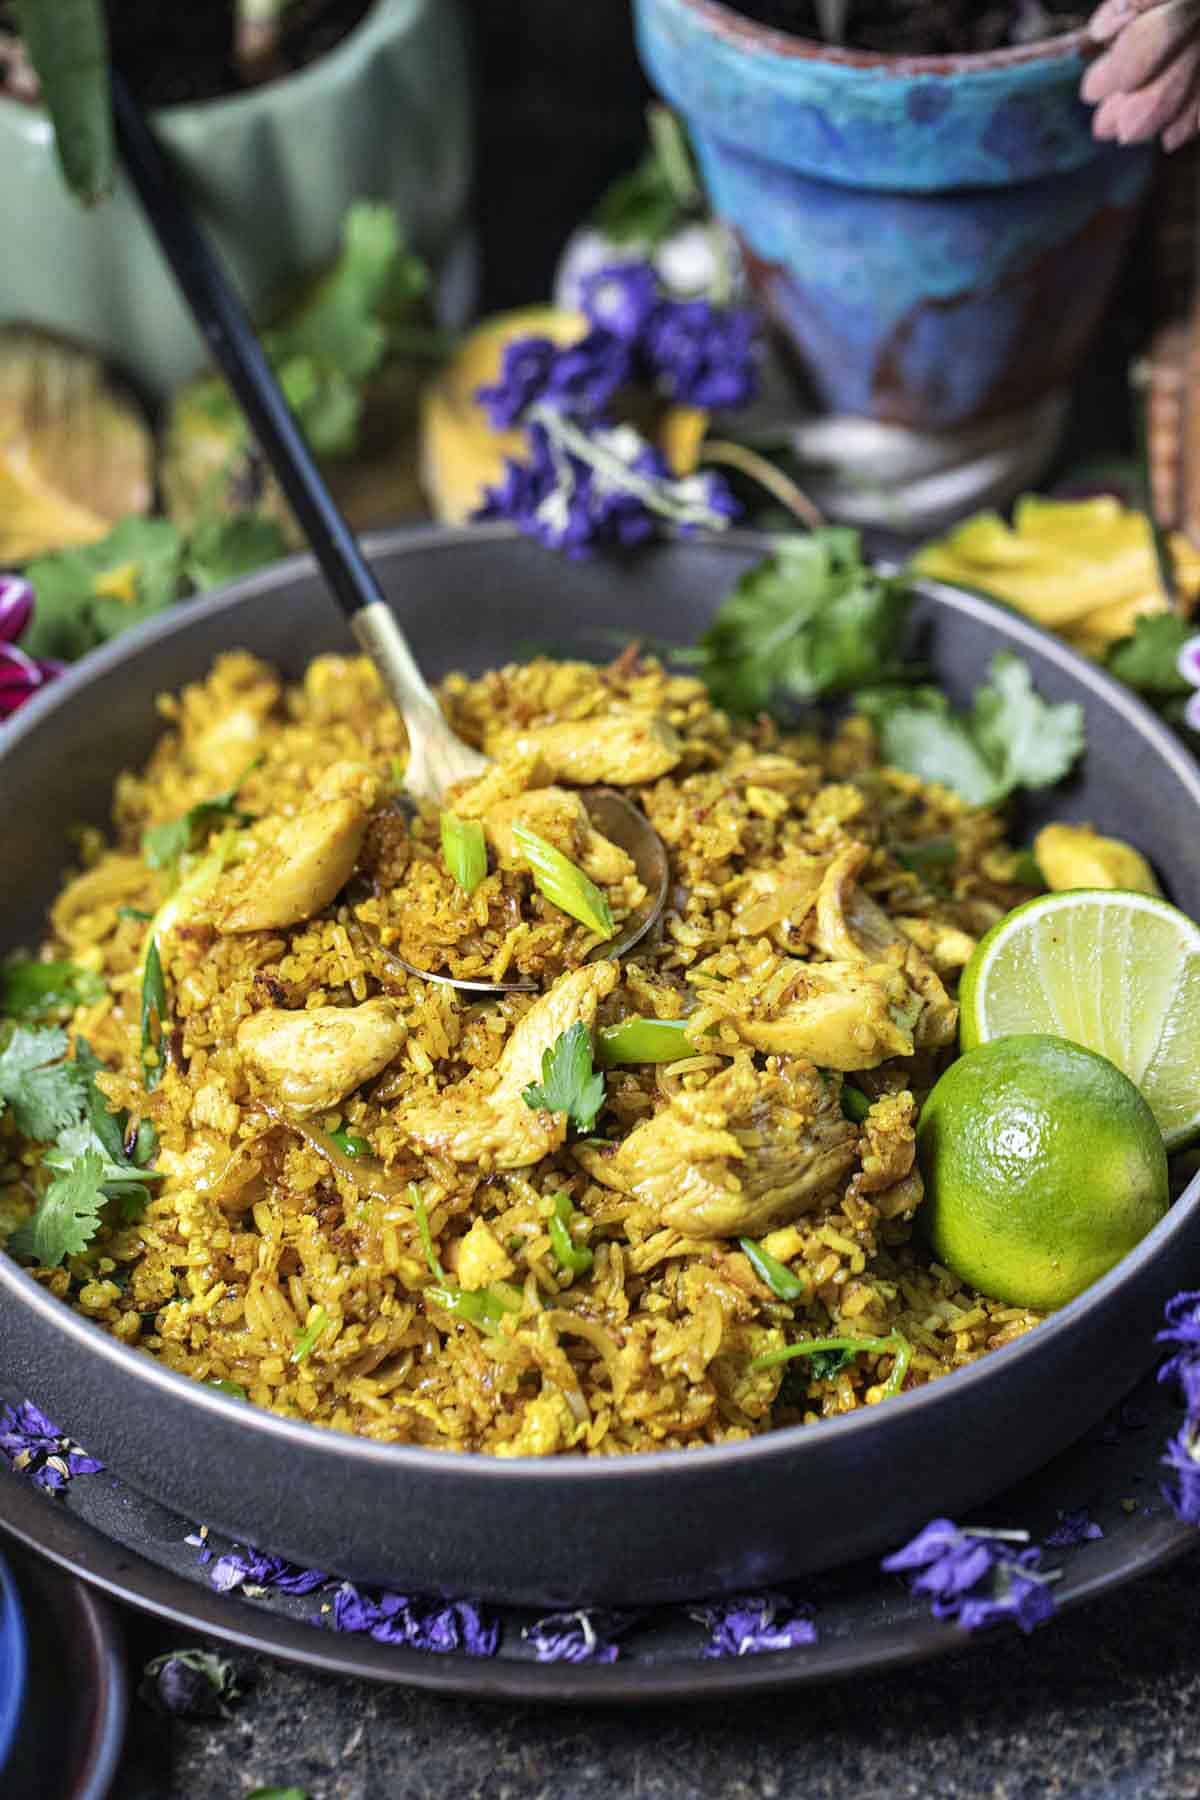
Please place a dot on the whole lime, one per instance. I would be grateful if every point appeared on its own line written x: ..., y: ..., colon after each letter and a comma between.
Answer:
x: 1043, y: 1166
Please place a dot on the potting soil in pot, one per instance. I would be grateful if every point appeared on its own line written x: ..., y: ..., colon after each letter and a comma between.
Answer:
x: 923, y: 27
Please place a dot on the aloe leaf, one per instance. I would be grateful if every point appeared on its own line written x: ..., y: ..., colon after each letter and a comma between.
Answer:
x: 68, y: 46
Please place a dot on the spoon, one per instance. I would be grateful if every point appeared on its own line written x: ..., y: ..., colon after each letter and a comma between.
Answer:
x: 438, y: 758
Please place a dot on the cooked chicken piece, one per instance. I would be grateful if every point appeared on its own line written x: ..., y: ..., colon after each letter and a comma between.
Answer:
x: 743, y: 1153
x: 308, y: 860
x: 1075, y: 856
x: 478, y: 1257
x: 840, y: 1015
x: 849, y: 925
x: 547, y: 1425
x: 503, y: 781
x: 779, y: 773
x: 223, y: 744
x: 937, y: 1024
x: 315, y: 1058
x: 486, y: 1116
x: 946, y: 947
x: 622, y: 748
x: 778, y: 900
x: 561, y: 818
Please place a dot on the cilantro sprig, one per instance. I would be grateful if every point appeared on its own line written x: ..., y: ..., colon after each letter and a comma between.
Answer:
x: 57, y: 1102
x: 811, y: 619
x: 35, y: 990
x: 164, y: 844
x: 1010, y: 738
x: 569, y: 1082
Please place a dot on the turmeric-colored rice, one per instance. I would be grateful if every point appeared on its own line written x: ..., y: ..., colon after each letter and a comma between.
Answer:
x: 269, y: 1260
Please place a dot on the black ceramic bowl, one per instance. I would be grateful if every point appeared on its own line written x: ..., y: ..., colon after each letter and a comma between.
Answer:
x: 649, y: 1528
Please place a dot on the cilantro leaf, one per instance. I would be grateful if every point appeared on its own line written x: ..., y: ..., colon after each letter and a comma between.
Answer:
x: 1011, y: 738
x: 223, y: 547
x: 31, y: 990
x: 67, y: 1216
x: 108, y: 1128
x: 163, y: 845
x: 811, y: 619
x: 569, y: 1083
x: 1148, y: 660
x: 41, y: 1089
x: 86, y: 596
x: 823, y: 1365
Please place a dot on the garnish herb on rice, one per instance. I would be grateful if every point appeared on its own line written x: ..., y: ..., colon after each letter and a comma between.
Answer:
x: 56, y: 1102
x: 350, y: 1144
x: 163, y: 845
x: 483, y: 1307
x: 855, y: 1104
x: 154, y: 1019
x: 465, y: 850
x: 34, y: 990
x: 575, y: 1258
x: 896, y: 1345
x: 811, y: 619
x: 779, y: 1278
x: 564, y: 884
x: 569, y: 1083
x: 421, y: 1214
x: 307, y: 1341
x: 1011, y: 738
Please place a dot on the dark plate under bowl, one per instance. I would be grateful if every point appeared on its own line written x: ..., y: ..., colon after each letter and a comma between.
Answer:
x: 641, y: 1529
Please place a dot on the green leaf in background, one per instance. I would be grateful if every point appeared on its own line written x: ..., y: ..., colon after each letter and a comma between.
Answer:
x: 811, y: 619
x: 86, y: 596
x: 32, y: 990
x: 1011, y: 738
x: 325, y: 351
x: 67, y: 41
x: 40, y: 1087
x: 222, y: 549
x: 1148, y: 661
x: 660, y: 195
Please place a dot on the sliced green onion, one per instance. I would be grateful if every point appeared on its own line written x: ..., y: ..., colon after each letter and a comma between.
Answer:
x: 642, y: 1040
x: 233, y: 1388
x: 145, y: 1145
x: 350, y: 1144
x: 563, y: 883
x: 573, y: 1257
x: 484, y: 1307
x: 465, y: 850
x: 307, y: 1339
x: 855, y: 1104
x: 424, y: 1233
x: 896, y: 1345
x: 154, y: 1015
x: 778, y: 1277
x: 30, y: 990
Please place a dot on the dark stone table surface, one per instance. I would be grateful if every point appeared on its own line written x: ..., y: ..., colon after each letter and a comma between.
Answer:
x: 1101, y: 1705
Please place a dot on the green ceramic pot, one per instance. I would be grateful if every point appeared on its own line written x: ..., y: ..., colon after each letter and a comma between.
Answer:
x: 385, y: 116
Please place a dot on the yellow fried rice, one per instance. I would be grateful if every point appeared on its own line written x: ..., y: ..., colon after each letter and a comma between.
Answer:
x: 806, y: 940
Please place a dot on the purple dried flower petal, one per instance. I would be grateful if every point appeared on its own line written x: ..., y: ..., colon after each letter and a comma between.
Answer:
x: 1182, y: 1492
x: 21, y: 676
x: 753, y: 1623
x: 16, y: 607
x: 584, y: 377
x: 578, y: 1637
x: 437, y: 1626
x: 35, y: 1447
x: 1191, y: 713
x: 976, y: 1577
x: 239, y: 1567
x: 620, y: 298
x: 1073, y: 1528
x: 1188, y: 660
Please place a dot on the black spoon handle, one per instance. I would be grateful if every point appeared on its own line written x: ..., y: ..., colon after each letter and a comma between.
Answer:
x: 235, y: 348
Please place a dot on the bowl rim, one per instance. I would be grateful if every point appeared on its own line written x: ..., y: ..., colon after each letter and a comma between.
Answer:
x: 741, y: 33
x: 297, y: 1434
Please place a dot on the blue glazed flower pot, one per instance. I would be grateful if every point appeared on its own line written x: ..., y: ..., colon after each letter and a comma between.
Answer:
x: 935, y: 237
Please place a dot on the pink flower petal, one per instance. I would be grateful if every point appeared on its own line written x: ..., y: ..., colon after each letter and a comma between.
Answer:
x: 16, y: 607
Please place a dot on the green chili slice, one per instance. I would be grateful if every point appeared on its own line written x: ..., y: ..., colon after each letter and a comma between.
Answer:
x: 573, y: 1257
x: 465, y: 850
x: 563, y: 883
x: 641, y: 1040
x: 778, y: 1277
x: 855, y: 1104
x: 307, y: 1339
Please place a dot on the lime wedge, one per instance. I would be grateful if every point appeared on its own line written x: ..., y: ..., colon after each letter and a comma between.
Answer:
x: 1114, y: 971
